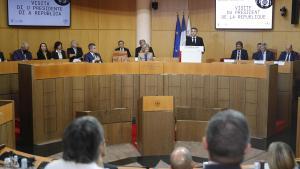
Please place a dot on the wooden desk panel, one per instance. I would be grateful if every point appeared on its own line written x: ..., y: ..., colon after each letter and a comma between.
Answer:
x: 7, y: 123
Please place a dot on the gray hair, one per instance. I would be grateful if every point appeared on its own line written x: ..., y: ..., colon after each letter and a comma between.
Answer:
x: 181, y: 158
x: 227, y: 137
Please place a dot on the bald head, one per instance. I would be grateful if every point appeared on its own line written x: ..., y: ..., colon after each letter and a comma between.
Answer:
x: 181, y: 158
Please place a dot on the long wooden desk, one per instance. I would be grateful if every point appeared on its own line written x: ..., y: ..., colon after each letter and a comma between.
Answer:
x: 51, y: 93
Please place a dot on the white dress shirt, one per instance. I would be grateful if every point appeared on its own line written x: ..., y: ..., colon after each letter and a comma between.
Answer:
x: 75, y: 50
x: 60, y: 56
x: 238, y: 54
x: 265, y: 56
x: 62, y: 164
x: 288, y: 57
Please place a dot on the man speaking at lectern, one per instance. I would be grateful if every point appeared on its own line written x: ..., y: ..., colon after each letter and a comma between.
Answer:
x: 194, y: 40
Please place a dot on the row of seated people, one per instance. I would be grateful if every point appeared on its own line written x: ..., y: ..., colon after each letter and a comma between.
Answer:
x: 227, y: 141
x: 75, y: 52
x: 263, y: 53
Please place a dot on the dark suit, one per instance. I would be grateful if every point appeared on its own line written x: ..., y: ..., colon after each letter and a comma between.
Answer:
x: 244, y: 54
x: 269, y: 56
x: 71, y: 51
x: 220, y: 166
x: 41, y: 56
x: 54, y: 55
x: 2, y: 57
x: 22, y: 55
x: 125, y: 49
x: 189, y: 41
x: 255, y: 55
x: 138, y: 50
x: 293, y: 56
x: 89, y: 57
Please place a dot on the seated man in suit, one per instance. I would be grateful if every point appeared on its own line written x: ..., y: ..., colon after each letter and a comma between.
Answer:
x: 265, y: 54
x: 289, y: 54
x: 145, y: 54
x: 1, y: 57
x: 194, y: 40
x: 227, y: 140
x: 121, y: 48
x: 239, y: 53
x: 138, y: 49
x: 93, y: 56
x: 181, y: 158
x: 74, y: 52
x: 255, y: 54
x: 23, y: 53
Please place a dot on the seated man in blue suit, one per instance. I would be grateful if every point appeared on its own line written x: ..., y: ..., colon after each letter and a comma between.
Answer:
x: 239, y: 53
x: 288, y: 55
x: 92, y: 56
x: 265, y: 54
x: 23, y: 53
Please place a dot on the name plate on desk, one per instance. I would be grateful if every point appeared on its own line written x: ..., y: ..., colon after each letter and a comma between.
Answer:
x: 229, y: 61
x: 279, y: 63
x: 191, y: 54
x: 259, y: 62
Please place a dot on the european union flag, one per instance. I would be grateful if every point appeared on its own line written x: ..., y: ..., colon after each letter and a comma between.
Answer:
x: 176, y: 52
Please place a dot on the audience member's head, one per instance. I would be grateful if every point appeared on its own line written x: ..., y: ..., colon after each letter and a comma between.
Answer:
x: 121, y: 44
x: 281, y: 156
x: 289, y: 48
x: 74, y: 44
x: 83, y: 140
x: 24, y: 46
x: 258, y: 46
x: 181, y: 158
x: 142, y: 42
x: 92, y: 47
x: 263, y: 47
x: 58, y: 45
x: 239, y: 45
x: 227, y: 137
x: 194, y: 32
x: 43, y: 47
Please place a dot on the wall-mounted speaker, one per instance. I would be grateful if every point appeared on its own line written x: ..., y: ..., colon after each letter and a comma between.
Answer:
x: 154, y: 4
x: 295, y: 12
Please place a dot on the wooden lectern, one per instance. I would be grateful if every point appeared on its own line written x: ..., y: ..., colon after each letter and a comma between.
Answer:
x: 118, y: 56
x: 7, y: 123
x: 156, y: 125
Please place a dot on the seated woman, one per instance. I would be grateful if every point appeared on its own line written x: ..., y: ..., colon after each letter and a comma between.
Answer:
x: 83, y: 145
x: 281, y: 156
x: 145, y: 54
x: 58, y: 52
x: 43, y: 52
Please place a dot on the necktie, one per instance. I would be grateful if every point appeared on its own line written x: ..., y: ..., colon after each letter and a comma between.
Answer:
x: 146, y: 57
x: 194, y: 40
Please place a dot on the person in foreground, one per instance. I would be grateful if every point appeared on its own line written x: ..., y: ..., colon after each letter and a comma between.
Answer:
x: 227, y: 140
x: 23, y: 53
x: 181, y: 158
x: 239, y: 53
x: 83, y: 145
x: 289, y: 54
x: 281, y: 156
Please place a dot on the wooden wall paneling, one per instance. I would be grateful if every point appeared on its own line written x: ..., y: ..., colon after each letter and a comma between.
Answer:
x: 116, y: 91
x: 105, y: 92
x: 186, y: 90
x: 3, y: 14
x: 172, y: 87
x: 117, y: 15
x: 237, y: 93
x: 210, y: 95
x: 39, y: 108
x: 68, y: 102
x: 117, y: 133
x: 91, y: 96
x: 198, y: 96
x: 85, y: 14
x: 190, y: 130
x: 5, y: 84
x: 7, y: 134
x: 12, y: 34
x: 127, y: 100
x: 151, y: 85
x: 213, y: 40
x: 163, y: 47
x: 136, y: 94
x: 252, y: 104
x: 262, y: 108
x: 224, y: 92
x: 78, y: 93
x: 7, y: 123
x: 61, y: 101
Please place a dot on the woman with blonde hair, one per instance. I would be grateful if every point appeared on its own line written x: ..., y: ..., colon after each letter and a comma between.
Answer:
x: 281, y: 156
